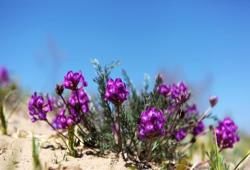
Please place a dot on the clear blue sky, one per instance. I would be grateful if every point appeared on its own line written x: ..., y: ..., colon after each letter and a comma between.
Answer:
x: 200, y: 38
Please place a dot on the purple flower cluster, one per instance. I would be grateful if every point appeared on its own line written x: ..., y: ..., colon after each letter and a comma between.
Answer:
x: 73, y: 79
x: 164, y: 90
x: 62, y: 121
x: 78, y: 105
x: 180, y: 134
x: 39, y: 107
x: 71, y: 111
x: 226, y: 133
x: 199, y: 128
x: 79, y: 101
x: 116, y: 91
x: 179, y: 93
x: 4, y: 76
x: 151, y: 124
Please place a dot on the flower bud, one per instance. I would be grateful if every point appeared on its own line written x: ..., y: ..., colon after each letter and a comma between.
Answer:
x: 159, y: 79
x: 213, y: 100
x: 182, y: 114
x: 193, y: 140
x: 59, y: 89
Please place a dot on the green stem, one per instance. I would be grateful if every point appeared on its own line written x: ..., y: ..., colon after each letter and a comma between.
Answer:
x: 174, y: 121
x: 3, y: 120
x: 35, y: 154
x: 79, y: 139
x: 64, y: 101
x: 71, y: 141
x: 149, y: 150
x: 205, y: 114
x: 118, y: 127
x: 242, y: 160
x: 61, y: 134
x: 82, y: 131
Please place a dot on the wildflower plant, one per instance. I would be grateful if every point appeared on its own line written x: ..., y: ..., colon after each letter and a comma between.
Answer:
x: 224, y: 136
x: 73, y: 110
x: 116, y: 93
x: 149, y: 125
x: 105, y: 118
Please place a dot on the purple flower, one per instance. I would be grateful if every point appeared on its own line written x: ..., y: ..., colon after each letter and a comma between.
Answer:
x: 213, y: 100
x: 164, y: 90
x: 74, y: 79
x: 199, y: 128
x: 226, y: 133
x: 191, y: 110
x: 39, y: 107
x: 62, y: 121
x: 116, y: 91
x: 179, y: 93
x: 180, y: 134
x: 4, y: 76
x: 151, y: 124
x: 79, y: 101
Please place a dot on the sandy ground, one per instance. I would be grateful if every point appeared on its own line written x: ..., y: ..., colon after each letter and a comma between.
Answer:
x: 16, y: 149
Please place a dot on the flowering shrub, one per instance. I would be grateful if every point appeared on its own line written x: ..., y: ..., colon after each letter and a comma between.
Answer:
x: 143, y: 125
x: 71, y: 113
x: 116, y: 93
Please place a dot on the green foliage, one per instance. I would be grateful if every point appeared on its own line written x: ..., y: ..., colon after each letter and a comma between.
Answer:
x: 35, y: 154
x: 71, y: 141
x: 103, y: 74
x: 5, y: 92
x: 101, y: 78
x: 216, y: 161
x: 3, y: 119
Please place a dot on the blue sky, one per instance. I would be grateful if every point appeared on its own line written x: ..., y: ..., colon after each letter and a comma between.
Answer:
x: 199, y: 39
